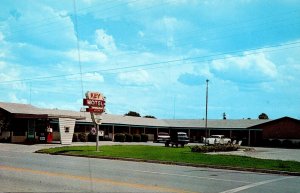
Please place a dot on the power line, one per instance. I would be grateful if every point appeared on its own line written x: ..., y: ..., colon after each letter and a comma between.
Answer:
x: 78, y: 47
x: 187, y: 60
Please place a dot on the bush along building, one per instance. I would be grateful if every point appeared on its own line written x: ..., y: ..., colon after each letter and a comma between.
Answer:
x: 23, y: 123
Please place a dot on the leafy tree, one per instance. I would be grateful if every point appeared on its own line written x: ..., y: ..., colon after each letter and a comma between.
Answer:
x: 133, y: 114
x: 150, y: 116
x: 4, y: 123
x: 224, y: 116
x: 263, y: 116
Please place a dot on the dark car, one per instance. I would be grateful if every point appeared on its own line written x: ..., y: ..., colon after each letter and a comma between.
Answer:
x: 177, y: 138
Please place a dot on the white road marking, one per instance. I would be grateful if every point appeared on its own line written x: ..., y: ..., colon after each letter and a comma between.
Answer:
x: 189, y: 176
x: 255, y: 184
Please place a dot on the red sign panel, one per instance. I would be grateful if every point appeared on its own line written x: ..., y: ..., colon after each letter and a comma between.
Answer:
x: 94, y: 103
x: 94, y: 110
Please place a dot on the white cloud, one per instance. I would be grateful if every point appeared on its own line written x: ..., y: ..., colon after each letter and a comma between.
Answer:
x: 104, y: 40
x: 247, y: 68
x: 140, y: 77
x: 87, y: 56
x: 58, y: 32
x: 93, y: 77
x: 168, y: 23
x: 1, y: 37
x: 13, y: 98
x: 2, y: 64
x: 10, y: 73
x: 141, y: 34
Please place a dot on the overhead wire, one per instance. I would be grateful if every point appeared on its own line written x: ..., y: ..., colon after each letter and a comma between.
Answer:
x: 187, y: 60
x: 85, y: 72
x: 78, y: 46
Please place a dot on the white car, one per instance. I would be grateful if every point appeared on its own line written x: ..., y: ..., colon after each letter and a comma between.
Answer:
x: 216, y: 139
x: 162, y: 137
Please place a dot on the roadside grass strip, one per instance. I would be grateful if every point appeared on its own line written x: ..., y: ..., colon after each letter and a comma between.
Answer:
x: 175, y: 156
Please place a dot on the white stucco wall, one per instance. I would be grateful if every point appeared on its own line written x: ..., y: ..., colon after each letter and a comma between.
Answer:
x: 66, y: 130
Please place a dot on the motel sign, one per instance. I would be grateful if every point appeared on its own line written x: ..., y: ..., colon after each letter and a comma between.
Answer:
x: 95, y: 101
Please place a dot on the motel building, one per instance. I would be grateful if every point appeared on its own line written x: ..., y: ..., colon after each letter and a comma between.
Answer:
x: 24, y: 123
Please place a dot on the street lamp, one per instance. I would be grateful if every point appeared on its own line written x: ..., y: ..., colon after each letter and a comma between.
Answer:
x: 206, y: 134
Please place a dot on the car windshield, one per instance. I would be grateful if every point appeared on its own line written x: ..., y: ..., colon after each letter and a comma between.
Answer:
x: 163, y: 134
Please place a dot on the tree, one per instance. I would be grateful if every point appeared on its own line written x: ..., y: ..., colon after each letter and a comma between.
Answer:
x: 224, y: 116
x: 133, y: 114
x: 263, y: 116
x: 4, y: 123
x: 150, y: 116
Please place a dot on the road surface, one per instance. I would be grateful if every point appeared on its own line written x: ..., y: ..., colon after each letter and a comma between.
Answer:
x: 30, y: 172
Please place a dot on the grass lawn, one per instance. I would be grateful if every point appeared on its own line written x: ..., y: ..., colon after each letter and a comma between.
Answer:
x: 179, y: 155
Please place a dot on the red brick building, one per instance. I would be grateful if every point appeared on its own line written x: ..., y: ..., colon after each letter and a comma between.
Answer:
x: 282, y: 128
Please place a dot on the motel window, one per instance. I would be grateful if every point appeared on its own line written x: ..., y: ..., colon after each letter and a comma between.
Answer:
x: 67, y: 129
x: 19, y: 133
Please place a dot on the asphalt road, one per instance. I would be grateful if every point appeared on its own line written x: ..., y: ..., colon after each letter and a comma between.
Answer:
x: 23, y: 171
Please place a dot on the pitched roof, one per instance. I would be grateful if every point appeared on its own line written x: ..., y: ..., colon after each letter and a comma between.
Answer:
x: 218, y: 123
x: 129, y: 120
x: 26, y: 109
x: 276, y: 120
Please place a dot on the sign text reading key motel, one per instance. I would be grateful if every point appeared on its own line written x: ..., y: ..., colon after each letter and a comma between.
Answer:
x: 95, y: 101
x: 96, y: 106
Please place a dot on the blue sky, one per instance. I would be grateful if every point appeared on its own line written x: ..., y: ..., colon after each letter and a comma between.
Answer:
x: 153, y: 56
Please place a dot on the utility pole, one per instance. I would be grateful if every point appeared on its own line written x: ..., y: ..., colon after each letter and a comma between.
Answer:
x: 206, y: 134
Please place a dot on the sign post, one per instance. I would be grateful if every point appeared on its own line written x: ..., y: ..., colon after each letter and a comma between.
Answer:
x: 96, y: 106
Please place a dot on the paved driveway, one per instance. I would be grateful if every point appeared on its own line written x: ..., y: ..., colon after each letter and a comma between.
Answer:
x: 31, y: 172
x: 268, y: 153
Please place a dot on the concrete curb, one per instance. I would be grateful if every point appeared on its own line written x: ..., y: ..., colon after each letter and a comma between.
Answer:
x: 185, y: 164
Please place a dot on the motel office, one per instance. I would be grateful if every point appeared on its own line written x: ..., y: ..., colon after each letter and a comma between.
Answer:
x: 21, y: 122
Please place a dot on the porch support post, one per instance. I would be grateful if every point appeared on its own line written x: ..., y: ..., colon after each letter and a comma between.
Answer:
x: 113, y: 132
x: 249, y: 134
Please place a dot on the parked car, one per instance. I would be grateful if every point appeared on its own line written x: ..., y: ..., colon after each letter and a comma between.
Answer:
x: 177, y: 138
x: 162, y: 137
x: 216, y: 139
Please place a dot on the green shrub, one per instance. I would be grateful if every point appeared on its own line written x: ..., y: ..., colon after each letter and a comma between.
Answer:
x: 91, y: 137
x: 128, y: 137
x: 288, y: 144
x: 136, y: 138
x: 5, y: 140
x: 144, y: 137
x: 214, y: 148
x: 82, y: 137
x: 265, y: 143
x: 75, y: 138
x: 119, y: 137
x: 275, y: 143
